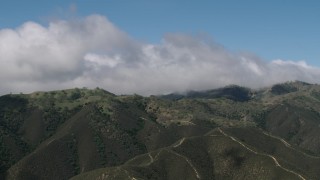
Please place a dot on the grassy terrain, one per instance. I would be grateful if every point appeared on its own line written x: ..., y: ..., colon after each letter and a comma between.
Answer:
x: 212, y: 156
x: 227, y: 133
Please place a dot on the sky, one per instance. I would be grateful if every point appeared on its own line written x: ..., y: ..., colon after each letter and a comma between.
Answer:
x: 155, y: 47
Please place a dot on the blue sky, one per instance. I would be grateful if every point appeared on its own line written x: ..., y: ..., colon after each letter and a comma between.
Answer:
x: 157, y: 46
x: 284, y: 29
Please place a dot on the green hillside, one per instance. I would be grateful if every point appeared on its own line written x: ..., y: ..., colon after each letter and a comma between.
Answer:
x: 227, y: 133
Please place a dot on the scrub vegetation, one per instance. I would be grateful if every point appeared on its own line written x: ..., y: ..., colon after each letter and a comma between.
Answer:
x: 227, y: 133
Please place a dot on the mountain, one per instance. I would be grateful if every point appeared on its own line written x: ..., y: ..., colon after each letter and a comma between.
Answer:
x: 228, y: 133
x: 232, y: 92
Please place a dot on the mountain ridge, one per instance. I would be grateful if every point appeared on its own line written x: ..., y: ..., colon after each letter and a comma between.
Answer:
x: 76, y: 132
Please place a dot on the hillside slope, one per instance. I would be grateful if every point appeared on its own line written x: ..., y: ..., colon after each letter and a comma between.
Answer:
x: 216, y: 155
x: 228, y: 133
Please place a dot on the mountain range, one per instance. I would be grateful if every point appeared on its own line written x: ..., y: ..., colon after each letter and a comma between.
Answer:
x: 232, y: 132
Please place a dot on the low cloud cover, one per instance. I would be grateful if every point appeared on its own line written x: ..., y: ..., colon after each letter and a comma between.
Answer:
x: 93, y: 52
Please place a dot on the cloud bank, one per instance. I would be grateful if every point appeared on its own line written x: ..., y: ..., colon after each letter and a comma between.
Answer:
x: 91, y: 52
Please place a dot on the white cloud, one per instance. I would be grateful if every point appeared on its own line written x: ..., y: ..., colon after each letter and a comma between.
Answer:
x: 93, y: 52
